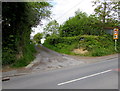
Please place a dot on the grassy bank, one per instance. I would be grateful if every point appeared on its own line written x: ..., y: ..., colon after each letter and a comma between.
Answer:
x: 15, y: 60
x: 28, y: 56
x: 94, y: 45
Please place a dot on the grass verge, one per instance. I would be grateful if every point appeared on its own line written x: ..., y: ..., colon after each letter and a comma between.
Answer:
x: 28, y: 56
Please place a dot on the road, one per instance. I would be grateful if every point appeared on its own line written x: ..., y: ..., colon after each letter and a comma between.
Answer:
x: 99, y: 75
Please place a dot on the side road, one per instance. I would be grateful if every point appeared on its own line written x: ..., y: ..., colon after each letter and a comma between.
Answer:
x: 47, y: 59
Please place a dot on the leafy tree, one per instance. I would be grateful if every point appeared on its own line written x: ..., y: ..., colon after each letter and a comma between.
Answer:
x: 17, y: 20
x: 37, y: 38
x: 51, y: 28
x: 106, y: 10
x: 119, y: 10
x: 80, y: 24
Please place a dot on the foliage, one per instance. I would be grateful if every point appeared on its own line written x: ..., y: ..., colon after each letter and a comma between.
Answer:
x: 18, y: 18
x: 96, y: 45
x: 61, y: 47
x: 8, y: 56
x: 81, y: 24
x: 118, y: 43
x: 101, y: 52
x: 37, y: 38
x: 106, y: 10
x: 53, y: 40
x: 87, y: 32
x: 51, y: 28
x: 27, y: 57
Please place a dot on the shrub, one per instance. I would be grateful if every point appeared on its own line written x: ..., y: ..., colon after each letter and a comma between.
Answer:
x: 96, y: 45
x: 101, y: 52
x: 8, y: 56
x: 28, y: 56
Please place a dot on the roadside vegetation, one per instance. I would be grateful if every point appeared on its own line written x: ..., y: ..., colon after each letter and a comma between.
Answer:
x: 85, y: 35
x: 37, y: 38
x: 18, y: 19
x: 83, y: 45
x: 81, y: 34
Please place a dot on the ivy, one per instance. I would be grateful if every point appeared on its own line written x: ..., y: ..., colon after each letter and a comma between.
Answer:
x: 18, y: 18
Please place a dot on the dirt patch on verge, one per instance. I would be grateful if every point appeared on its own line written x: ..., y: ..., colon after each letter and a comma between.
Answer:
x: 80, y: 51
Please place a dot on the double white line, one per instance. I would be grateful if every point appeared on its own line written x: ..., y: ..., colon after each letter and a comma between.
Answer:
x: 70, y: 81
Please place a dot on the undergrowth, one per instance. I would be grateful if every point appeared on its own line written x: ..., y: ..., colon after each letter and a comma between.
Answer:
x: 28, y: 56
x: 95, y: 45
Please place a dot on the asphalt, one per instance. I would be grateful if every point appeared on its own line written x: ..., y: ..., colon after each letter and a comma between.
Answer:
x: 50, y: 79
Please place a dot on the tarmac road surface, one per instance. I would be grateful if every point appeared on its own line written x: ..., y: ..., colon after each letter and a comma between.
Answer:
x: 99, y: 75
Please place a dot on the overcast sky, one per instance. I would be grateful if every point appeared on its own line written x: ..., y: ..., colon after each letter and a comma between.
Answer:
x: 63, y: 9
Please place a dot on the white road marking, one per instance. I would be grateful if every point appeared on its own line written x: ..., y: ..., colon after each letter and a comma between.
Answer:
x: 83, y: 77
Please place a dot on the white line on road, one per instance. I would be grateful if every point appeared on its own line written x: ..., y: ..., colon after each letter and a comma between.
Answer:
x: 83, y: 77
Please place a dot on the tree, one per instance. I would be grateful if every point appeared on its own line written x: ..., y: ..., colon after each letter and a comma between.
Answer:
x: 80, y: 24
x: 119, y: 10
x: 17, y: 20
x: 51, y: 28
x: 106, y: 10
x: 37, y: 38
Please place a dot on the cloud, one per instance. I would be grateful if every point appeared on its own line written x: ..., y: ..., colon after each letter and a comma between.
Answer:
x: 66, y: 8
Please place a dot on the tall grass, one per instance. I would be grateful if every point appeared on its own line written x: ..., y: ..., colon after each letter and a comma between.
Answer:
x: 28, y: 56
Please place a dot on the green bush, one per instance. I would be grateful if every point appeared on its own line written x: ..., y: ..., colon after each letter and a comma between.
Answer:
x: 118, y: 45
x: 61, y: 47
x: 66, y: 40
x: 28, y: 56
x: 96, y: 45
x: 8, y: 56
x: 101, y: 52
